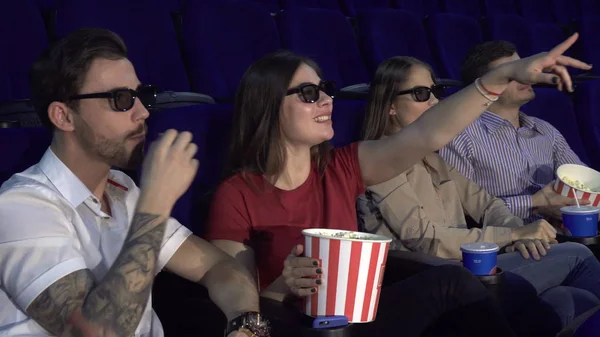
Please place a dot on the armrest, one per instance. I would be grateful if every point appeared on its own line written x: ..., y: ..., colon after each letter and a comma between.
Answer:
x: 581, y: 78
x: 354, y: 92
x: 584, y: 77
x: 16, y: 107
x: 447, y: 82
x: 173, y: 99
x: 9, y: 124
x: 286, y: 320
x: 401, y: 265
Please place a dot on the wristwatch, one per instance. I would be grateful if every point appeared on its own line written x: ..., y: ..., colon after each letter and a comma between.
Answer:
x: 252, y: 323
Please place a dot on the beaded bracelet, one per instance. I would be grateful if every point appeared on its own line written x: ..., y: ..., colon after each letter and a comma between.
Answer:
x: 483, y: 93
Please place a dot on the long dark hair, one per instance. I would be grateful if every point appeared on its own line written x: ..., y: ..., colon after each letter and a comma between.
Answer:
x: 256, y: 137
x: 389, y: 78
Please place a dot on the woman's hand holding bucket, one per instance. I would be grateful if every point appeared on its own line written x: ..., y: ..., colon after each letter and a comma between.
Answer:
x: 301, y: 274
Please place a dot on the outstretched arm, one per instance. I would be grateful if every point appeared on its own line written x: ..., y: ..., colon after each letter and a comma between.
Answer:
x: 381, y: 160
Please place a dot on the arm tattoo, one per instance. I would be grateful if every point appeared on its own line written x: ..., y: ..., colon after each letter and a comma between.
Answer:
x: 114, y: 306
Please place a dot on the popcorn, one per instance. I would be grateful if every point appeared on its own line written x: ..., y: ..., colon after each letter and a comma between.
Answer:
x: 347, y: 235
x: 577, y: 184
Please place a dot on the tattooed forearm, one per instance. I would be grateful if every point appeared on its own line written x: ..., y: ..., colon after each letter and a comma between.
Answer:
x: 53, y: 306
x: 114, y: 306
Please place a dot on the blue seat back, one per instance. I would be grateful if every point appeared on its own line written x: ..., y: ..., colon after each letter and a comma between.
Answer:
x: 145, y: 26
x: 221, y: 42
x: 512, y: 28
x: 21, y: 148
x: 589, y: 8
x: 46, y: 5
x: 323, y: 4
x: 421, y: 8
x: 463, y: 7
x: 270, y: 5
x: 175, y: 5
x: 384, y: 33
x: 327, y: 37
x: 195, y: 119
x: 347, y: 119
x: 587, y: 105
x: 564, y: 11
x: 23, y: 37
x: 354, y: 7
x: 537, y: 11
x: 494, y: 7
x: 589, y: 44
x: 452, y: 36
x: 545, y: 37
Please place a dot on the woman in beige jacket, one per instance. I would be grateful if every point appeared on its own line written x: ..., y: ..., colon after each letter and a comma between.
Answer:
x: 423, y: 209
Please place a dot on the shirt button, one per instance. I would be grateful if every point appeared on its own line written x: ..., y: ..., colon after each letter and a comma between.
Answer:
x: 94, y: 200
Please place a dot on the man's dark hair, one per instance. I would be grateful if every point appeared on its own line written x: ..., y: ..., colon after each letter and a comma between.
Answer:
x: 60, y: 71
x: 478, y: 59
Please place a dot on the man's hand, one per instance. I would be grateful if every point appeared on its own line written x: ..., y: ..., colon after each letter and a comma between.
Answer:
x: 547, y: 197
x: 540, y: 230
x: 548, y: 203
x: 546, y: 67
x: 527, y: 248
x: 168, y: 169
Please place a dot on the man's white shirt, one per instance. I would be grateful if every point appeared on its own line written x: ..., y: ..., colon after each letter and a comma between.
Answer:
x: 51, y: 225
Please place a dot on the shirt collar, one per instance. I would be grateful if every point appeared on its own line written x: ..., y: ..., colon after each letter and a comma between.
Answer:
x: 70, y: 186
x: 63, y: 179
x: 492, y: 121
x: 528, y: 122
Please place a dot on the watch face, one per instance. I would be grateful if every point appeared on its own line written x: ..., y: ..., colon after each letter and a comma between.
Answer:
x: 252, y: 322
x: 259, y: 325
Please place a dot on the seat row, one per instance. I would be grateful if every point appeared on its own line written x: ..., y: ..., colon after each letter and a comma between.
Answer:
x: 210, y: 48
x: 549, y: 11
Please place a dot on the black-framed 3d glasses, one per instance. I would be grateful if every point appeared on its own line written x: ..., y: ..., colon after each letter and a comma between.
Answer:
x: 123, y: 99
x: 310, y: 93
x: 423, y: 94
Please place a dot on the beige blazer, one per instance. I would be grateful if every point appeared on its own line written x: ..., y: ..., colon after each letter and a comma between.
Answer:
x: 424, y: 209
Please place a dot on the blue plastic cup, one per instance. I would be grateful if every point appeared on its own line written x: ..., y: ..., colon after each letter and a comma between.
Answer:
x: 581, y: 221
x: 481, y: 258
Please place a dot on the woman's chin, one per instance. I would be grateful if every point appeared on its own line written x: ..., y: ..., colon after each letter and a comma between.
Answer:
x: 328, y: 136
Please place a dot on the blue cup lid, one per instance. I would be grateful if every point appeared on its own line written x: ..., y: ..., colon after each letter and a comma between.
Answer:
x: 479, y: 247
x: 580, y: 210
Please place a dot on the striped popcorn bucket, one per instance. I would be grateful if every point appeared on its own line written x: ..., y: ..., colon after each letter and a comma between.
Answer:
x: 585, y: 175
x: 353, y: 265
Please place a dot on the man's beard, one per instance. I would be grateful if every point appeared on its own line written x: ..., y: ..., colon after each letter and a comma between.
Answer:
x: 111, y: 151
x: 516, y: 101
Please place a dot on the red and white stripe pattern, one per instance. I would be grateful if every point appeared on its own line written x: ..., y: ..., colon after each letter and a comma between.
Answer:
x: 352, y: 276
x: 561, y: 188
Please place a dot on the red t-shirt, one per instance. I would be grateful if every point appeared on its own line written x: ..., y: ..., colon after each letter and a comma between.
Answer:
x: 270, y: 220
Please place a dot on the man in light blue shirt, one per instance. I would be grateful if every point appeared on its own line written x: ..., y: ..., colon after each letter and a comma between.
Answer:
x: 511, y: 155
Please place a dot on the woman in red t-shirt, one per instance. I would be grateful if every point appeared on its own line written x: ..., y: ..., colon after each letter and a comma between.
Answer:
x: 285, y: 177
